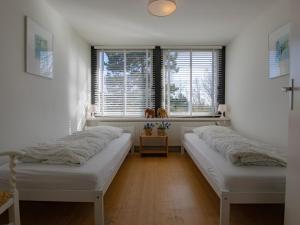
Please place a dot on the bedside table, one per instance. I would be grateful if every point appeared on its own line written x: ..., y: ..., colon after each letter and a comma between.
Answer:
x: 161, y: 149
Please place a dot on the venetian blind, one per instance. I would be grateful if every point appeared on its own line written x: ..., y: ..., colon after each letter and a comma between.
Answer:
x: 193, y: 81
x: 125, y: 83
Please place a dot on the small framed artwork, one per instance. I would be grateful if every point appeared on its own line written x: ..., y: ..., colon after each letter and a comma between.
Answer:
x: 279, y: 52
x: 39, y: 50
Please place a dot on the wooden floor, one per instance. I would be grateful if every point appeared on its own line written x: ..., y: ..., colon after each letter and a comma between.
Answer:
x: 153, y: 191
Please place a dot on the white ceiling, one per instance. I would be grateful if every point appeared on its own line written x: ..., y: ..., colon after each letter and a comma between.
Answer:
x: 127, y: 22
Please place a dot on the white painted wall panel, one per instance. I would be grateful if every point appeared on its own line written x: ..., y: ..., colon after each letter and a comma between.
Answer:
x: 258, y: 108
x: 34, y: 109
x: 174, y: 132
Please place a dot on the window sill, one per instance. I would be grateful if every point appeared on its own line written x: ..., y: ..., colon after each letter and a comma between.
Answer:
x: 171, y: 119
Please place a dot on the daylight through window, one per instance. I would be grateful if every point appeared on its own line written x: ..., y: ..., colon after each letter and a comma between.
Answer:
x: 125, y: 82
x: 186, y: 82
x: 190, y: 79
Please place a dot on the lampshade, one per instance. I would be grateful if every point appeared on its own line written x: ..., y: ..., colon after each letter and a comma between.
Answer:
x: 161, y: 7
x: 222, y: 108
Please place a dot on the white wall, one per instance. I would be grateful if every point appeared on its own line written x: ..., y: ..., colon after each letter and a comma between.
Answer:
x: 258, y: 107
x: 32, y: 108
x: 174, y: 133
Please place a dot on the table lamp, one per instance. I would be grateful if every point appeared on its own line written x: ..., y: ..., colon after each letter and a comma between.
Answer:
x: 93, y: 109
x: 222, y: 109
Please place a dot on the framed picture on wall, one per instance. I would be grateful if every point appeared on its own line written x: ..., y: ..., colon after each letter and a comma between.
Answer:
x: 279, y: 52
x: 39, y: 50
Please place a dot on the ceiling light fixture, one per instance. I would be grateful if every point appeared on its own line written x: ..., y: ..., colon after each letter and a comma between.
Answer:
x: 161, y: 7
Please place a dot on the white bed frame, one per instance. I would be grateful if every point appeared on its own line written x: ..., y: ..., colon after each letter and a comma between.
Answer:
x: 229, y: 197
x: 94, y: 196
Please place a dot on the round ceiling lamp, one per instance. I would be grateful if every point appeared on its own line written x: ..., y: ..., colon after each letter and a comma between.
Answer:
x: 161, y: 7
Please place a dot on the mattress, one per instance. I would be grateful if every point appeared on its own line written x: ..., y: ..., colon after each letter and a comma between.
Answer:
x: 227, y: 177
x: 91, y: 176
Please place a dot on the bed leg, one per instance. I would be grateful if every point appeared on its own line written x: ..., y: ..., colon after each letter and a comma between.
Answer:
x: 132, y: 150
x: 14, y: 212
x: 182, y: 150
x: 224, y: 209
x: 99, y: 209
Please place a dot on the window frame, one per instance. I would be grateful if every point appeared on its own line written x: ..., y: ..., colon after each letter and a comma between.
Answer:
x: 149, y: 93
x: 166, y: 90
x: 156, y: 73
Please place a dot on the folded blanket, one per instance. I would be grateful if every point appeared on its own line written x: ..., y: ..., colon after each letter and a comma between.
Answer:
x: 75, y: 149
x: 239, y: 150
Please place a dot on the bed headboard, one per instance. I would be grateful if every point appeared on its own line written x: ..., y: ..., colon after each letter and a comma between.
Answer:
x: 128, y: 129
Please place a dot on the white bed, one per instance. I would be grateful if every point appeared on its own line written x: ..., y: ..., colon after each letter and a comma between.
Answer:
x: 235, y: 185
x: 87, y: 183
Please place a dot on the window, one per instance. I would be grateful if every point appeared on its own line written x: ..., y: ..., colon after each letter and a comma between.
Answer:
x: 185, y: 82
x: 190, y: 81
x: 124, y: 82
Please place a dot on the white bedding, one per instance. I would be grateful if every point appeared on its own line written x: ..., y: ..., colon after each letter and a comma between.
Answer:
x: 230, y: 177
x: 91, y: 176
x: 240, y: 150
x: 75, y: 149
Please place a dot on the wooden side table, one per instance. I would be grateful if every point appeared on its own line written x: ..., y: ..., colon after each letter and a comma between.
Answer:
x: 164, y: 149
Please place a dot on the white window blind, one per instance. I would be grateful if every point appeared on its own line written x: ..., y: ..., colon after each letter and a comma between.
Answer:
x: 190, y: 80
x: 125, y: 85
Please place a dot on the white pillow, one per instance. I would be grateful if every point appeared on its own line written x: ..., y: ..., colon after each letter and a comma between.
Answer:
x: 100, y: 130
x: 200, y: 131
x: 95, y: 133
